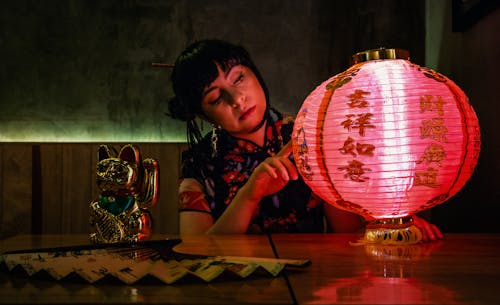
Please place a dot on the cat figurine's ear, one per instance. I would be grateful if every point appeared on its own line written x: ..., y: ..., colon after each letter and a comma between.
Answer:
x: 106, y: 152
x: 131, y: 154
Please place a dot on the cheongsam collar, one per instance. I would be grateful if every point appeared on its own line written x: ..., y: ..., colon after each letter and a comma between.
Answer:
x: 273, y: 141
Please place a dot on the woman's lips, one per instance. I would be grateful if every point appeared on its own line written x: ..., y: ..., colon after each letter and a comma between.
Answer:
x: 247, y: 113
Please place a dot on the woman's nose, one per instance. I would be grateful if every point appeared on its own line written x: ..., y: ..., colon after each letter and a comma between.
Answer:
x: 237, y: 99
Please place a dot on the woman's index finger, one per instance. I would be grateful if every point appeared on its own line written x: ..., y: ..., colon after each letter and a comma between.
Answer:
x: 285, y: 150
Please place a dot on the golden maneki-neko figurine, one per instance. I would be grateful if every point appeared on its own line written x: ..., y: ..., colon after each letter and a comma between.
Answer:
x: 128, y: 189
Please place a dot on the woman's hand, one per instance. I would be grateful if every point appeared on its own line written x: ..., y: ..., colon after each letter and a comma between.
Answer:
x: 272, y: 175
x: 267, y: 178
x: 430, y: 232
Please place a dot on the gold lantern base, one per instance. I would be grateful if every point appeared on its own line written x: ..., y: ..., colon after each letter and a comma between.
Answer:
x: 392, y: 231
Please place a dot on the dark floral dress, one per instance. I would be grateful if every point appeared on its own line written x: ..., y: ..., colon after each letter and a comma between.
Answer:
x: 292, y: 210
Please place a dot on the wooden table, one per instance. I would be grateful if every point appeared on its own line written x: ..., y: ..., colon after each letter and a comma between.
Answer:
x: 461, y: 269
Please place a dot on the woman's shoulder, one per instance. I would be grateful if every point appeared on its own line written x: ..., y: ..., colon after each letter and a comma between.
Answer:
x: 288, y: 119
x: 281, y: 118
x: 287, y: 126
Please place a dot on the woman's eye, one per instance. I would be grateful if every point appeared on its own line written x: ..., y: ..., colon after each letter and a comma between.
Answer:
x: 238, y: 79
x: 216, y: 101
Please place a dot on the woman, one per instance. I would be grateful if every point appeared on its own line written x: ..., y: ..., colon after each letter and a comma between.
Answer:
x: 240, y: 178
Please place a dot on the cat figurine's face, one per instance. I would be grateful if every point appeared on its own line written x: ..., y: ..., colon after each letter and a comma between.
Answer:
x: 118, y: 175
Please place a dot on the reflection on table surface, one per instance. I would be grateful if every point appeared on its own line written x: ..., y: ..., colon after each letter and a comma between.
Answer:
x: 461, y: 269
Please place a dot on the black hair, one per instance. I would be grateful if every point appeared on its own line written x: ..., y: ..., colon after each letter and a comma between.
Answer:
x: 195, y: 68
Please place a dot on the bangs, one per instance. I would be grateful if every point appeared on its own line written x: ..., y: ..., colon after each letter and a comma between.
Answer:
x: 196, y: 69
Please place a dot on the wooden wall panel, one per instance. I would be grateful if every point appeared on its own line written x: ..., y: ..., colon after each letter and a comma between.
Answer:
x: 15, y: 189
x: 51, y: 185
x: 65, y: 184
x: 78, y: 171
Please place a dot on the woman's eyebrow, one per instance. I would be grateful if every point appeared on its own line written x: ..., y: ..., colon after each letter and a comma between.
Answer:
x: 226, y: 73
x: 211, y: 88
x: 208, y: 90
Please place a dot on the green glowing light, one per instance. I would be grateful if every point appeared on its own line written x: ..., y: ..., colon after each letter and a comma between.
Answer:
x: 61, y: 131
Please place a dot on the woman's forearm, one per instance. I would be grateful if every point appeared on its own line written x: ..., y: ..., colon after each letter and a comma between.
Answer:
x: 238, y: 214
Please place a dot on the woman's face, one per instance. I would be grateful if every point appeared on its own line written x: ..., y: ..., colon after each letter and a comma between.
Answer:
x: 235, y: 100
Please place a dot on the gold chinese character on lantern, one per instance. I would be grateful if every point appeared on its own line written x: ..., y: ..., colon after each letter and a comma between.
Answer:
x: 355, y: 171
x: 434, y: 129
x: 432, y: 103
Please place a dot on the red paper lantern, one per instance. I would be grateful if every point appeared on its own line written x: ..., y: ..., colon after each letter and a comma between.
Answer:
x: 386, y: 139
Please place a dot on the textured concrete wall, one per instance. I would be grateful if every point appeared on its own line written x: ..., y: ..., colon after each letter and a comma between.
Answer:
x: 81, y: 70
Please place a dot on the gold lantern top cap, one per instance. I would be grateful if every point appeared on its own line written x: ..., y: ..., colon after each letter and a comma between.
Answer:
x: 381, y: 53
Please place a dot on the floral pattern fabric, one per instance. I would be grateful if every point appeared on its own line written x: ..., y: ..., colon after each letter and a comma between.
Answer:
x: 294, y: 209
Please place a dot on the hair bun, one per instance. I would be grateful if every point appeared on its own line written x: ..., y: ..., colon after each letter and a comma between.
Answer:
x: 178, y: 110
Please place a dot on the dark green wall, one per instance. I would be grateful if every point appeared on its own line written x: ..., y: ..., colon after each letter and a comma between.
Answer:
x: 81, y: 70
x: 471, y: 58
